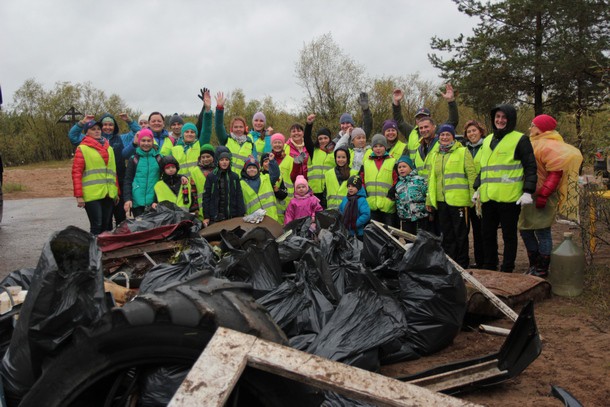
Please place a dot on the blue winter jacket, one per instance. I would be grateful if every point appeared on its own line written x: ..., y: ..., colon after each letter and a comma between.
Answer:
x: 364, y: 211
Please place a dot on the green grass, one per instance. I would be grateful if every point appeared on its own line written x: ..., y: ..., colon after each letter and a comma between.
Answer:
x: 12, y: 187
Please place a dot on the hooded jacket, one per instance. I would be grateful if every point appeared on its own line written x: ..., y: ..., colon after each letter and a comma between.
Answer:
x: 216, y: 207
x: 524, y: 151
x: 302, y: 206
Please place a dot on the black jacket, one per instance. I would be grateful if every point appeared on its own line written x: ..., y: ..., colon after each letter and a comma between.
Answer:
x: 232, y: 200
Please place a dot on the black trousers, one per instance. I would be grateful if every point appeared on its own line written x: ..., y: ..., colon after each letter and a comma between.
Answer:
x: 477, y: 235
x: 505, y: 215
x: 453, y: 223
x: 118, y: 211
x: 99, y: 213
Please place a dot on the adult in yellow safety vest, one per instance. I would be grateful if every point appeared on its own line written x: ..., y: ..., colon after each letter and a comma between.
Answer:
x: 261, y: 135
x: 379, y: 175
x: 237, y: 141
x: 322, y: 158
x: 395, y: 145
x: 450, y: 188
x: 257, y: 190
x: 94, y: 178
x: 427, y: 145
x: 286, y: 164
x: 413, y: 133
x: 507, y: 181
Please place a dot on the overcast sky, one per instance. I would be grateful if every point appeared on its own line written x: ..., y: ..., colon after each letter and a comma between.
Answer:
x: 157, y: 54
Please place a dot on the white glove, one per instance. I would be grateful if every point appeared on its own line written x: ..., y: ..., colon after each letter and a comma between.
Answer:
x: 475, y: 196
x: 526, y: 199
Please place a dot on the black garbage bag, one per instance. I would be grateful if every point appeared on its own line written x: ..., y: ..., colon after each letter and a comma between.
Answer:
x: 196, y: 256
x: 22, y: 278
x: 158, y: 385
x: 67, y: 291
x: 332, y: 399
x: 166, y: 213
x: 379, y: 252
x: 433, y: 295
x: 348, y: 277
x: 291, y: 249
x: 336, y: 245
x: 253, y: 259
x: 300, y: 227
x: 363, y: 322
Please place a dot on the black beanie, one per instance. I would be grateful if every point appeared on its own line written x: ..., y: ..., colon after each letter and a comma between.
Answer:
x: 355, y: 181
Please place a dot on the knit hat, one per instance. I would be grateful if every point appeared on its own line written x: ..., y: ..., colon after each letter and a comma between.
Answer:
x: 169, y: 160
x: 90, y: 124
x: 223, y: 152
x: 357, y: 131
x: 176, y: 118
x: 423, y: 112
x: 300, y: 180
x: 406, y: 159
x: 379, y: 139
x: 389, y: 124
x: 323, y: 132
x: 264, y: 157
x: 189, y: 126
x: 107, y: 119
x: 143, y: 117
x: 347, y: 118
x: 545, y: 122
x: 260, y: 116
x: 446, y: 128
x: 251, y: 161
x: 355, y: 181
x: 207, y: 149
x: 278, y: 136
x: 144, y: 133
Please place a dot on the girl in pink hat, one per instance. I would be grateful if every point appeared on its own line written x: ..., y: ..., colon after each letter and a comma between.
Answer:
x: 304, y: 202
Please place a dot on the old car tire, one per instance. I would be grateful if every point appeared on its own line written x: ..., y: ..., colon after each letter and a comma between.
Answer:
x: 169, y: 327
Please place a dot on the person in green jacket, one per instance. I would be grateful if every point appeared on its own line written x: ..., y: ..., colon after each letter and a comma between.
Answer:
x: 141, y: 175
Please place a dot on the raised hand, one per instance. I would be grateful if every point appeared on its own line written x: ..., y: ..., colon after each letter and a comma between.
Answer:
x: 220, y: 99
x: 124, y: 117
x: 311, y: 118
x: 397, y: 96
x: 449, y: 95
x: 363, y: 100
x: 207, y: 99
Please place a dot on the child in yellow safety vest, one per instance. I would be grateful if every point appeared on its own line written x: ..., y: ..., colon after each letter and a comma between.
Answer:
x: 175, y: 188
x: 257, y: 189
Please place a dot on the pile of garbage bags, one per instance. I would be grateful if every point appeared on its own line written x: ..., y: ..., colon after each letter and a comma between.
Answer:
x: 361, y: 303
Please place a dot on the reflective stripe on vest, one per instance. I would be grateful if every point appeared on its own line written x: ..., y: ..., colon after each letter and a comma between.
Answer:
x: 239, y: 154
x: 99, y: 179
x: 378, y: 183
x: 320, y: 163
x: 413, y: 142
x: 501, y: 174
x: 188, y: 160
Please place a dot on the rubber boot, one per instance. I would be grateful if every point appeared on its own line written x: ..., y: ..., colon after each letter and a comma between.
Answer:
x: 542, y: 270
x: 533, y: 258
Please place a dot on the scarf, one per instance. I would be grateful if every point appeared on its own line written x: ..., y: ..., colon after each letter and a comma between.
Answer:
x: 240, y: 139
x: 445, y: 149
x: 279, y: 156
x: 350, y: 214
x: 478, y: 143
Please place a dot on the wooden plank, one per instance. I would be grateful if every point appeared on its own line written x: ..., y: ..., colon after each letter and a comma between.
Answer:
x: 343, y: 379
x: 460, y: 377
x: 505, y: 309
x: 216, y: 372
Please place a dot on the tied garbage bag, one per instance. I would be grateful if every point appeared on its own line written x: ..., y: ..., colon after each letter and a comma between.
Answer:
x: 197, y: 255
x: 365, y: 320
x: 67, y: 291
x: 433, y: 295
x: 167, y: 222
x: 252, y: 259
x: 379, y: 252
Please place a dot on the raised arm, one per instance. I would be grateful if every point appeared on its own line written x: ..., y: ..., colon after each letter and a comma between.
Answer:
x: 308, y: 132
x: 367, y: 116
x: 449, y: 96
x: 221, y: 132
x: 403, y: 127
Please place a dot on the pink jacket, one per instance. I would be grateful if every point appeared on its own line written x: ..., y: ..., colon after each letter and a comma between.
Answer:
x: 302, y: 206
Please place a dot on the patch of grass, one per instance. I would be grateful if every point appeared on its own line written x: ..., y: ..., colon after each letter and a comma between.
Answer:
x: 44, y: 164
x: 9, y: 187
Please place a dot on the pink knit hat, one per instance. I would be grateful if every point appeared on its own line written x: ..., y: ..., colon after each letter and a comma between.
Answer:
x: 278, y: 136
x: 545, y: 122
x: 145, y: 133
x: 301, y: 180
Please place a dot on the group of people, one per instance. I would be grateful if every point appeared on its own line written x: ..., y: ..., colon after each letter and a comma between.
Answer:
x: 429, y: 181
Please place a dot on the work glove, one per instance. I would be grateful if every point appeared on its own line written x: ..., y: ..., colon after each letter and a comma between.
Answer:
x: 526, y: 199
x: 363, y: 100
x: 475, y: 196
x: 299, y: 159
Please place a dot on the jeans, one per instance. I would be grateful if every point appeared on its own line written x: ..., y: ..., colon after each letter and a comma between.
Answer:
x: 99, y: 213
x: 538, y: 241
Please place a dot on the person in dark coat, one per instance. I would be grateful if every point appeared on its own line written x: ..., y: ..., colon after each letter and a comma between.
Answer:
x: 222, y: 197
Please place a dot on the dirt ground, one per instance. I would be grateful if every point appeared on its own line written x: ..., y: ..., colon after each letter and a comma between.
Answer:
x: 576, y: 332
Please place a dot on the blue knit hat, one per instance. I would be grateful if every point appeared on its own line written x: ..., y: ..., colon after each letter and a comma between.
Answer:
x: 347, y: 118
x: 446, y: 128
x: 406, y: 159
